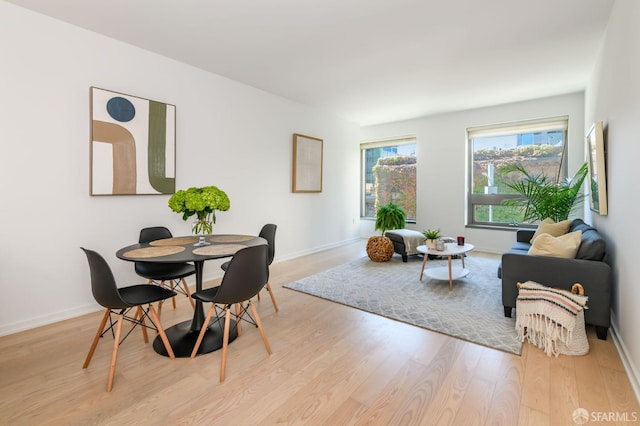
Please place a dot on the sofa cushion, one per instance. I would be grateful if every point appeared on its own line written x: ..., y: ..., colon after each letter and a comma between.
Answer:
x: 565, y: 246
x: 592, y: 247
x: 579, y: 225
x: 521, y: 246
x: 593, y: 244
x: 548, y: 226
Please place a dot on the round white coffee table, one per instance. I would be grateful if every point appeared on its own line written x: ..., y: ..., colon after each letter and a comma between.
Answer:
x: 445, y: 273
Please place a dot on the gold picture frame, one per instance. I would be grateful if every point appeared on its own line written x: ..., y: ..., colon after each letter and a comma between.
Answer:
x: 307, y: 164
x: 597, y: 169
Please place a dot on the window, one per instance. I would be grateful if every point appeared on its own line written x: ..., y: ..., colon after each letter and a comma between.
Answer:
x: 537, y: 145
x: 389, y: 175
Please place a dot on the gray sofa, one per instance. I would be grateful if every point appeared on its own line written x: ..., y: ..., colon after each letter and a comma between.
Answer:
x: 589, y: 268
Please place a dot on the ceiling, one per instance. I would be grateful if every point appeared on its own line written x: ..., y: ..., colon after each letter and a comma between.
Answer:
x: 368, y: 61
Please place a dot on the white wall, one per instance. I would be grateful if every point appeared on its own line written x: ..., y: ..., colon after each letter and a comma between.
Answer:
x: 228, y: 134
x: 613, y: 96
x: 442, y: 155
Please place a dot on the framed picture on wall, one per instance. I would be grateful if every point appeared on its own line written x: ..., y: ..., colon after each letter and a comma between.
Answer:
x: 597, y: 169
x: 307, y: 164
x: 133, y: 145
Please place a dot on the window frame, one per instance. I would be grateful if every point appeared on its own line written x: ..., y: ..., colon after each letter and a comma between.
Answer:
x: 381, y: 143
x: 557, y: 123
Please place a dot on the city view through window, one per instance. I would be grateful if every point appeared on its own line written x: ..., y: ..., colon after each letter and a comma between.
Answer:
x: 389, y: 175
x: 537, y: 152
x: 389, y: 169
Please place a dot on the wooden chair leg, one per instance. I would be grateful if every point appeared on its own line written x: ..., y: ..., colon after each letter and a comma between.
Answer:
x: 160, y: 303
x: 186, y: 290
x: 238, y: 326
x: 163, y: 335
x: 205, y: 324
x: 173, y: 299
x: 259, y: 323
x: 258, y: 296
x: 225, y: 343
x: 273, y: 298
x: 140, y: 314
x: 114, y: 354
x: 96, y: 339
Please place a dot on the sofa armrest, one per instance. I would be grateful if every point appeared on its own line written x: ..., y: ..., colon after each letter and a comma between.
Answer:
x: 594, y: 276
x: 524, y: 235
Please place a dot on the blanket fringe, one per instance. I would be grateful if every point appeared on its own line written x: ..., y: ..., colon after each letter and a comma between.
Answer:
x: 542, y: 332
x: 548, y: 317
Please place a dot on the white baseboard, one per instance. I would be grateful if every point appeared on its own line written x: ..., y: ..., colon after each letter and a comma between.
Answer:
x: 317, y: 249
x: 32, y: 322
x: 215, y: 273
x: 630, y: 368
x: 487, y: 250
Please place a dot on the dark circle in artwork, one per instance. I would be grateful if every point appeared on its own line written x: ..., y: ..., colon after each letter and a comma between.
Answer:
x: 121, y: 109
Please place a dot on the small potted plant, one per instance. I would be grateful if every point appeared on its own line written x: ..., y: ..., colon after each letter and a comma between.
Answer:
x: 389, y: 216
x: 431, y: 236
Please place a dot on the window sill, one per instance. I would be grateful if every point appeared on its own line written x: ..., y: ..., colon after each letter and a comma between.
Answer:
x: 412, y: 221
x: 501, y: 227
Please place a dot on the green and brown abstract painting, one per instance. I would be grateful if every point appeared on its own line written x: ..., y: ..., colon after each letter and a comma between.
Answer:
x: 133, y: 145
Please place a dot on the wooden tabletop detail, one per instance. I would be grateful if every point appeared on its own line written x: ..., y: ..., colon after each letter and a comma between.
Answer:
x: 175, y: 241
x: 153, y: 251
x: 231, y: 238
x: 218, y: 249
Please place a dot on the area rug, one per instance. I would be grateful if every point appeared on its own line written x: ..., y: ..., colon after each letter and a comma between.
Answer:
x: 471, y: 311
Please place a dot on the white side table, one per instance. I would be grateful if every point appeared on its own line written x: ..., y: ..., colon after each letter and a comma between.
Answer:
x: 445, y: 273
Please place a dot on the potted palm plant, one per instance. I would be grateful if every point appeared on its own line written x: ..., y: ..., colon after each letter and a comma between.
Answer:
x: 388, y: 217
x: 544, y: 197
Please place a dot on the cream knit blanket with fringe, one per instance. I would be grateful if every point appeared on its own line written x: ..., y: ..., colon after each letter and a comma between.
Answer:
x: 545, y: 315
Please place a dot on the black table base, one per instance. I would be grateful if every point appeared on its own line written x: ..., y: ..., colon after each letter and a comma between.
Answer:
x: 183, y: 339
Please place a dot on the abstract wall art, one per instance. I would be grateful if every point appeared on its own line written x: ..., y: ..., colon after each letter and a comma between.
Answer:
x: 307, y: 164
x: 133, y: 145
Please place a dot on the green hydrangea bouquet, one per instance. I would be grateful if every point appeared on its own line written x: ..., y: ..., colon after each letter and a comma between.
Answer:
x: 202, y: 202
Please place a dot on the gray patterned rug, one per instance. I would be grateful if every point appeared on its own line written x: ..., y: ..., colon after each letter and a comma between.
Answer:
x: 472, y: 311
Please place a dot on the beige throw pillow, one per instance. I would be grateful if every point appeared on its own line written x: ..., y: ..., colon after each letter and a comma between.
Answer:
x: 565, y: 246
x: 548, y: 226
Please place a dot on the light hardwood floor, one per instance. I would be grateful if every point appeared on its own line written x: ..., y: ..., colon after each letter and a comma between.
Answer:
x: 331, y: 365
